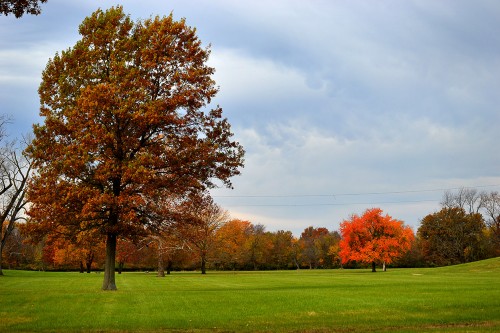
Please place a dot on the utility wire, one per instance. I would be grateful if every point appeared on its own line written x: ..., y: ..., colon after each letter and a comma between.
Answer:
x: 343, y: 194
x: 331, y: 204
x: 351, y: 194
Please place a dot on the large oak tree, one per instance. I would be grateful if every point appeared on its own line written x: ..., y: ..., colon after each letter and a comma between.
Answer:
x: 126, y: 122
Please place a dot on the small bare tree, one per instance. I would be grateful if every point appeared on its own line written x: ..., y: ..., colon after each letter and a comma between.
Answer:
x: 472, y: 202
x: 200, y: 220
x: 491, y: 204
x: 167, y: 244
x: 15, y: 170
x: 468, y: 199
x: 491, y: 207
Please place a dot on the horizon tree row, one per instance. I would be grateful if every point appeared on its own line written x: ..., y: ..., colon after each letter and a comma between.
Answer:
x: 206, y: 238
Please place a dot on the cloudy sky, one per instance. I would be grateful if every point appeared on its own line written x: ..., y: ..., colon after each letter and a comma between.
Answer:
x: 340, y: 105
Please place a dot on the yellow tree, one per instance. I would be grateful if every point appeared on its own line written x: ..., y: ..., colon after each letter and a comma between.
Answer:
x: 231, y: 238
x: 126, y: 121
x: 282, y: 248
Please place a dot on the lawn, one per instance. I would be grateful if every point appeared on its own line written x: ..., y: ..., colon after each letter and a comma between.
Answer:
x: 464, y: 298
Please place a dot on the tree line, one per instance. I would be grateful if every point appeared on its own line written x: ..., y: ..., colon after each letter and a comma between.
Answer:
x: 206, y: 238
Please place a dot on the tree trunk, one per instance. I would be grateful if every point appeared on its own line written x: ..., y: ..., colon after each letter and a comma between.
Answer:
x: 161, y: 270
x: 120, y: 266
x: 1, y: 253
x: 169, y: 266
x: 109, y: 268
x: 161, y: 265
x: 373, y: 267
x: 203, y: 264
x: 384, y: 269
x: 90, y: 259
x: 82, y: 269
x: 296, y: 263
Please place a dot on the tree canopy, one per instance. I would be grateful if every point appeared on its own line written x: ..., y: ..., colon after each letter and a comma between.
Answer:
x: 126, y: 123
x: 21, y: 7
x: 374, y: 238
x: 452, y: 236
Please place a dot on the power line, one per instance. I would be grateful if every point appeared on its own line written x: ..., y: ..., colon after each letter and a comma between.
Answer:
x: 351, y: 194
x: 344, y: 194
x: 331, y: 204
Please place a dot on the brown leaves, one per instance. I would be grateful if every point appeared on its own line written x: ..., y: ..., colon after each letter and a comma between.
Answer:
x: 20, y: 7
x: 452, y: 236
x: 123, y: 125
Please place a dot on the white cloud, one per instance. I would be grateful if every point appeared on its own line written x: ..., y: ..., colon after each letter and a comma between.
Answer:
x: 23, y: 66
x: 244, y: 78
x: 287, y: 163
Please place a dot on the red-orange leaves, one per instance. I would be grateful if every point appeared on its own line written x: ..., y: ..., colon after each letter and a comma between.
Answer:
x: 374, y: 238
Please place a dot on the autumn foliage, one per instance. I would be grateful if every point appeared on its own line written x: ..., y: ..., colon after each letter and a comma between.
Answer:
x: 201, y: 219
x: 126, y: 123
x: 20, y: 7
x: 318, y: 247
x: 374, y: 238
x: 452, y: 236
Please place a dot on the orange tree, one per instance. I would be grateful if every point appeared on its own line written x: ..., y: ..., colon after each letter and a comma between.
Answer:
x: 374, y: 238
x: 126, y: 121
x: 231, y: 238
x: 70, y: 253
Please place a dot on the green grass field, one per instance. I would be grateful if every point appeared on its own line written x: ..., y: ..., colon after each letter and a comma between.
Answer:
x: 464, y: 298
